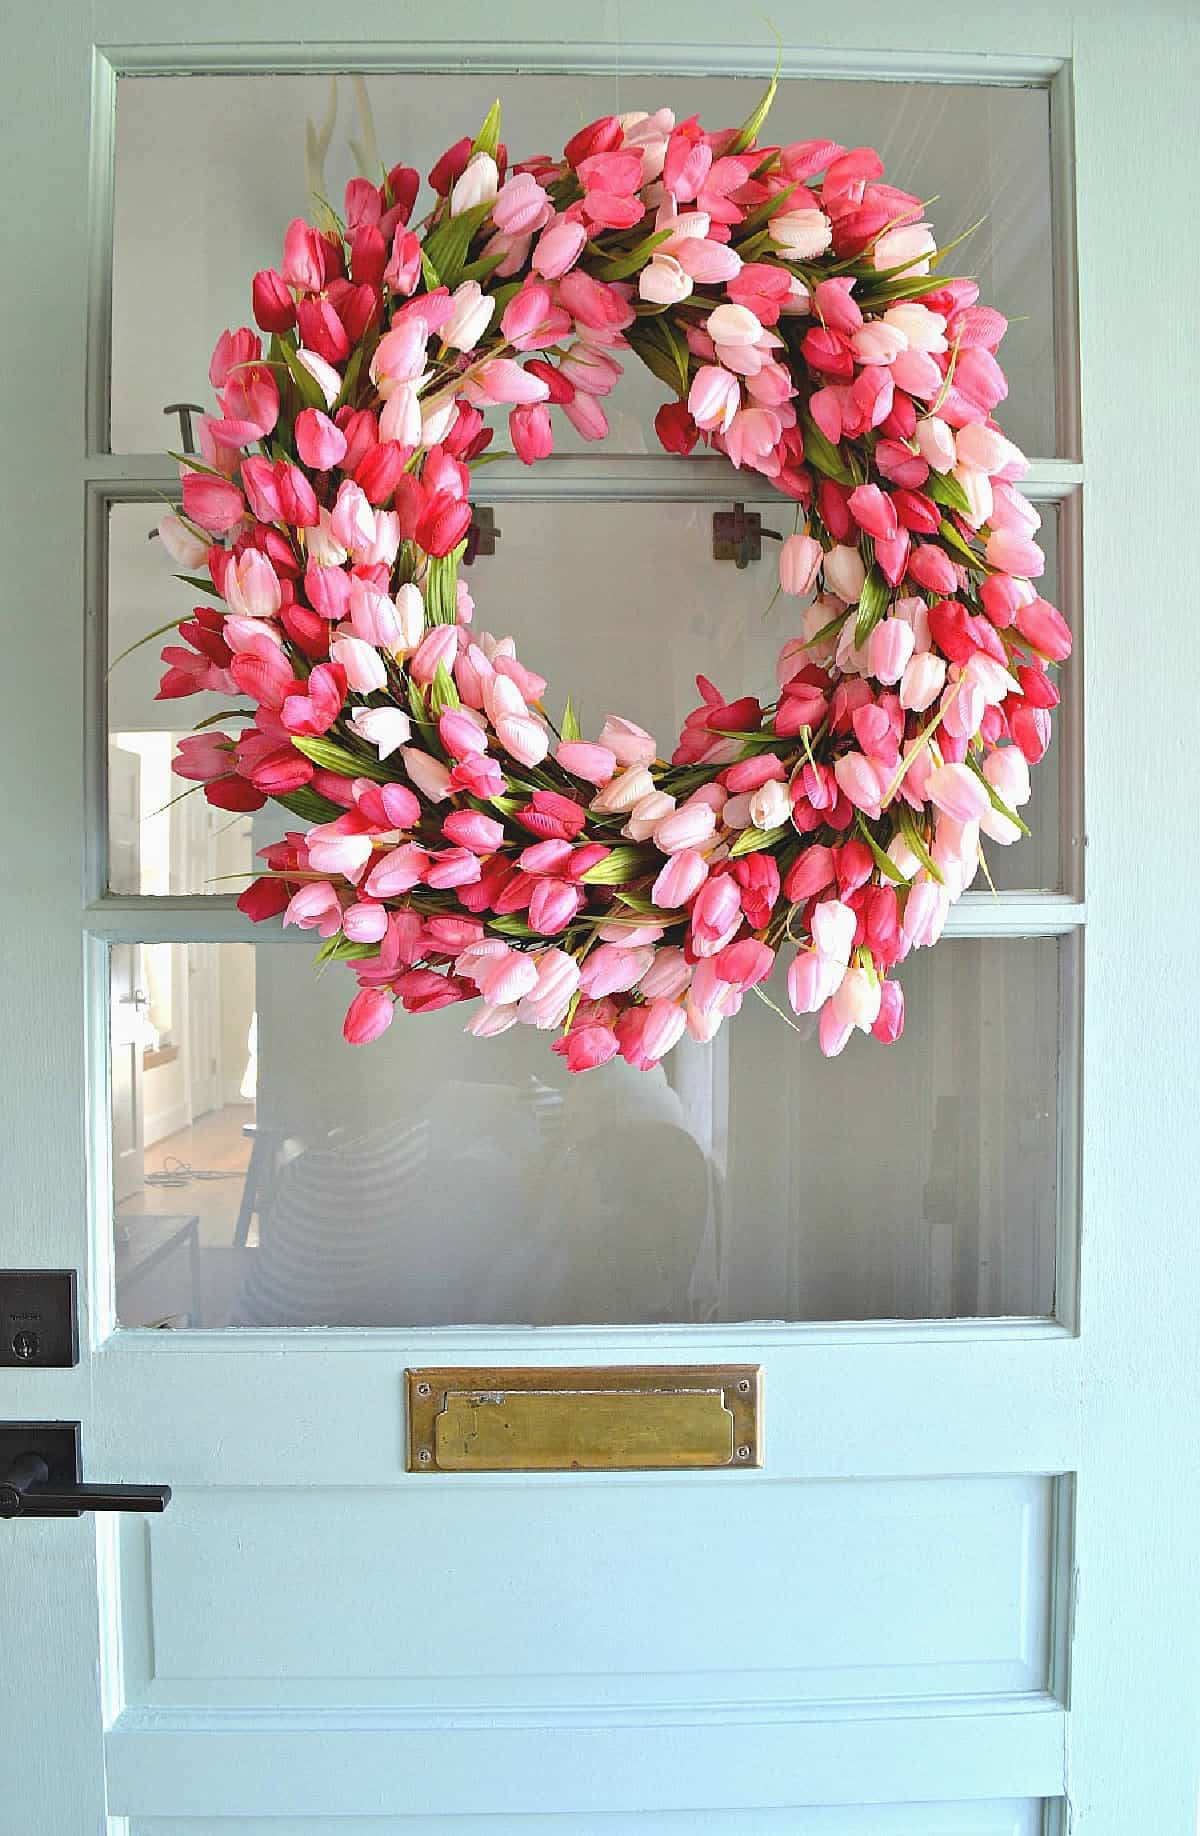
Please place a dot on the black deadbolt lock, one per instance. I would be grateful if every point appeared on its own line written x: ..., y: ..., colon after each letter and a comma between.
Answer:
x: 38, y: 1318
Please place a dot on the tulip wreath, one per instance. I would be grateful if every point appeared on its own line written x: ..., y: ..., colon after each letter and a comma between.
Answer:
x: 460, y: 844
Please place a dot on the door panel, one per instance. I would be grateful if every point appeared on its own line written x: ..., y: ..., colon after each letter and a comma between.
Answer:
x: 290, y: 1440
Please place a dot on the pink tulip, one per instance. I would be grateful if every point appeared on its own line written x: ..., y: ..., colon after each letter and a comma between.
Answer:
x: 501, y: 381
x: 716, y: 913
x: 956, y: 790
x: 1007, y: 771
x: 745, y: 963
x: 315, y: 907
x: 213, y: 503
x: 922, y: 681
x: 669, y: 974
x: 612, y: 969
x: 845, y: 573
x: 438, y: 647
x: 662, y: 1027
x: 558, y: 248
x: 873, y: 511
x: 594, y: 764
x: 452, y: 867
x: 681, y: 878
x: 553, y: 904
x: 251, y: 586
x: 304, y: 257
x: 472, y: 829
x: 532, y: 433
x: 521, y: 206
x: 587, y: 417
x: 586, y: 1047
x: 400, y: 355
x: 319, y: 442
x: 489, y: 1022
x: 470, y: 318
x: 889, y: 1022
x: 862, y: 781
x: 557, y: 980
x: 333, y: 848
x: 1043, y: 626
x: 368, y: 1015
x: 365, y: 923
x: 523, y: 738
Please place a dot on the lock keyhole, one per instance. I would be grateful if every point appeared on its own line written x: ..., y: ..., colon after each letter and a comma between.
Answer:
x: 26, y: 1345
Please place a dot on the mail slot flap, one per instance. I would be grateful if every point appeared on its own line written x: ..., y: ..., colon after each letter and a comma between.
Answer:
x: 606, y: 1418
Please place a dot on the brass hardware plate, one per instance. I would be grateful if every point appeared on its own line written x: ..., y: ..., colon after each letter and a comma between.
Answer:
x: 608, y: 1418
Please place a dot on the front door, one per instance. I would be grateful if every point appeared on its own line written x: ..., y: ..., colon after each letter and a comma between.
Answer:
x: 946, y: 1591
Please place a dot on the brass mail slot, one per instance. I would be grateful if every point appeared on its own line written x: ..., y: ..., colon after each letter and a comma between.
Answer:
x: 608, y: 1418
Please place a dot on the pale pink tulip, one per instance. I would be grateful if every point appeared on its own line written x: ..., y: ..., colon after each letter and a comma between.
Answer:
x: 558, y: 248
x: 833, y: 929
x: 922, y: 681
x: 489, y: 1022
x: 770, y: 805
x: 663, y: 281
x: 690, y: 826
x: 681, y: 878
x: 470, y: 318
x: 889, y: 649
x: 811, y: 980
x: 594, y: 764
x: 647, y: 813
x: 628, y: 743
x: 925, y: 911
x: 522, y: 205
x: 845, y: 572
x: 1007, y: 771
x: 670, y: 973
x: 856, y: 1000
x: 862, y: 781
x: 662, y: 1028
x: 410, y: 610
x: 478, y: 184
x: 365, y: 923
x: 364, y: 667
x: 1014, y: 553
x: 508, y: 978
x: 315, y: 907
x: 714, y: 397
x: 384, y: 728
x: 799, y: 561
x: 832, y: 1033
x: 523, y: 738
x: 428, y: 774
x: 801, y: 234
x: 956, y: 790
x: 182, y: 544
x: 503, y: 382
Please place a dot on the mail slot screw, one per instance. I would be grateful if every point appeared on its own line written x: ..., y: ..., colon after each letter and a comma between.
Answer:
x: 424, y: 1389
x: 744, y: 1386
x: 743, y: 1452
x: 424, y: 1457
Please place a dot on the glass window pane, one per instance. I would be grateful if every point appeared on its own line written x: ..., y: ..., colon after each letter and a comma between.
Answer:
x: 268, y: 1174
x: 619, y: 604
x: 210, y: 170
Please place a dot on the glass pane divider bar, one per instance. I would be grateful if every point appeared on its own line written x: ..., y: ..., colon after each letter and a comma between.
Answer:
x: 214, y: 918
x: 630, y: 478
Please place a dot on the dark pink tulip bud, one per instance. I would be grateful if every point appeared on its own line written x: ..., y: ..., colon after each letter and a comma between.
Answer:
x: 889, y: 1022
x: 305, y: 257
x: 809, y: 875
x: 451, y: 166
x: 931, y: 567
x: 368, y: 1015
x: 381, y: 470
x: 602, y: 136
x: 274, y: 307
x: 1043, y: 626
x: 677, y: 431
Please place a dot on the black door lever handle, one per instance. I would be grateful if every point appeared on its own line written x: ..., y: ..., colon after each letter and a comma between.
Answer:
x: 28, y: 1489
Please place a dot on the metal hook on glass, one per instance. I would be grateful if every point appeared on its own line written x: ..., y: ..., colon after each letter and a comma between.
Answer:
x: 738, y: 535
x: 185, y: 411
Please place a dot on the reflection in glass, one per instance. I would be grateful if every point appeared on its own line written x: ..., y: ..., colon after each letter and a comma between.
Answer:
x: 210, y: 170
x: 267, y: 1174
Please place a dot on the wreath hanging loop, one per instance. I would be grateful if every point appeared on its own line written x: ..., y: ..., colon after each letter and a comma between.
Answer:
x: 462, y: 844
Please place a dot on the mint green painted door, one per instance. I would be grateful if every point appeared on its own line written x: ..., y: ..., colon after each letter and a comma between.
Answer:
x: 959, y: 1595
